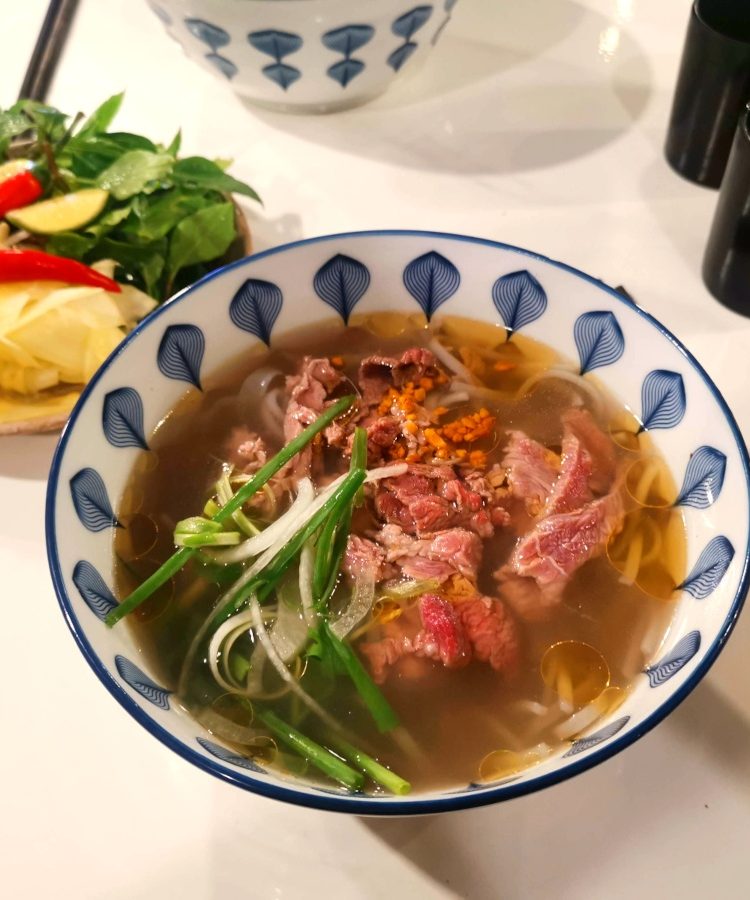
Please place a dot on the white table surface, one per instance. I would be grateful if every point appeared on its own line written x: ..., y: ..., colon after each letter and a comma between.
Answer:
x: 539, y: 123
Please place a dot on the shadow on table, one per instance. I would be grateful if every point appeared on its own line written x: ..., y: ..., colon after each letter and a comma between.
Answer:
x: 27, y: 457
x: 470, y: 110
x: 463, y: 852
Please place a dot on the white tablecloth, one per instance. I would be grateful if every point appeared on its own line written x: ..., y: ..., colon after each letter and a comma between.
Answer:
x: 539, y: 123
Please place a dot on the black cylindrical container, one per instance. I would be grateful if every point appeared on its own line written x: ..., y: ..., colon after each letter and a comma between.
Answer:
x: 712, y: 88
x: 726, y: 264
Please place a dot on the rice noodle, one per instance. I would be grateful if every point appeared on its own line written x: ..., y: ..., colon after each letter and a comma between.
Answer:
x: 480, y: 392
x: 578, y: 722
x: 450, y: 361
x: 278, y: 664
x: 533, y: 707
x: 564, y: 375
x: 273, y: 410
x: 363, y: 596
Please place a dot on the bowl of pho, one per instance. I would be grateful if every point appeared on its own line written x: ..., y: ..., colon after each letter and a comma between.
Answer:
x: 399, y: 522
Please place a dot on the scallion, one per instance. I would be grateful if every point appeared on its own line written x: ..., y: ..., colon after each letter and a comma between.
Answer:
x: 180, y: 558
x: 315, y: 754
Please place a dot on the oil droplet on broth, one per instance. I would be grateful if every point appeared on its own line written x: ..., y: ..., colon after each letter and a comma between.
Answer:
x: 575, y: 671
x: 140, y: 536
x: 502, y: 763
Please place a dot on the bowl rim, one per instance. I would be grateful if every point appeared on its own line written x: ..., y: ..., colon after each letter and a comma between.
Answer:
x: 462, y: 799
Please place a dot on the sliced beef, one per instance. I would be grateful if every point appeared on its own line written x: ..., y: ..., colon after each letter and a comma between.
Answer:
x: 557, y: 545
x: 529, y: 600
x: 442, y: 637
x: 571, y: 489
x: 432, y: 498
x: 378, y: 373
x: 438, y: 556
x: 532, y: 470
x: 364, y: 558
x: 245, y: 449
x: 491, y: 632
x: 599, y: 446
x: 478, y: 628
x: 308, y: 393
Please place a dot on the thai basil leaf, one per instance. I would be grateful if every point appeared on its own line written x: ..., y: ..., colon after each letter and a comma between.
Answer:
x: 69, y: 243
x: 203, y: 236
x: 196, y: 172
x: 156, y: 215
x: 102, y: 117
x: 134, y: 172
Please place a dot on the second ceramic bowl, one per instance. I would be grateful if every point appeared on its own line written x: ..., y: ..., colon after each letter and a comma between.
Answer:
x: 305, y: 55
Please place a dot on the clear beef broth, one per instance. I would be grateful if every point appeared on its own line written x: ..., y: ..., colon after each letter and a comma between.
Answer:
x: 451, y: 718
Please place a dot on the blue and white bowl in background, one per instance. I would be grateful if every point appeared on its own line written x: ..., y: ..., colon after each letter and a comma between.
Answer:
x: 306, y: 55
x: 251, y: 302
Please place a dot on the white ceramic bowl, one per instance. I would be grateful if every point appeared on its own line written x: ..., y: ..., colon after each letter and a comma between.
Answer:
x: 260, y: 297
x: 306, y: 55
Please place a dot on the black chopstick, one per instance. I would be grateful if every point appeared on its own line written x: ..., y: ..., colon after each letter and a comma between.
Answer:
x: 48, y: 49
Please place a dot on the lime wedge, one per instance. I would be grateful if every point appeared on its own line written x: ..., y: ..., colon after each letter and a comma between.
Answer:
x: 13, y: 167
x: 64, y: 213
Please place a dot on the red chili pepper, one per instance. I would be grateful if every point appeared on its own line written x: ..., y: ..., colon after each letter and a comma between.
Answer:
x: 19, y: 190
x: 34, y: 265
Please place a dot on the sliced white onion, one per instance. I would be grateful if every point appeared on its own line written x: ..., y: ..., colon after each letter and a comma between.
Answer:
x: 240, y: 623
x: 260, y: 542
x: 225, y: 728
x: 278, y: 664
x: 306, y: 564
x: 289, y: 631
x: 450, y: 361
x: 363, y: 596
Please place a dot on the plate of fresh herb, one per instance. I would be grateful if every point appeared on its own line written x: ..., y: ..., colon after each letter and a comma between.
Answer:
x: 97, y: 227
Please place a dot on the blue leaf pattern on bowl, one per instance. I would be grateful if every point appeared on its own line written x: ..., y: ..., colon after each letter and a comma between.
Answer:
x: 406, y: 26
x: 599, y: 340
x: 519, y: 298
x: 229, y: 756
x: 710, y: 568
x: 277, y: 44
x: 348, y: 39
x: 681, y: 654
x: 409, y: 23
x: 140, y: 682
x: 255, y: 308
x: 662, y: 400
x: 400, y: 55
x: 224, y: 65
x: 91, y: 501
x: 282, y: 74
x: 603, y: 734
x: 211, y: 35
x: 180, y: 353
x: 704, y: 478
x: 431, y: 279
x: 345, y: 70
x: 122, y: 418
x: 93, y: 590
x: 341, y: 283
